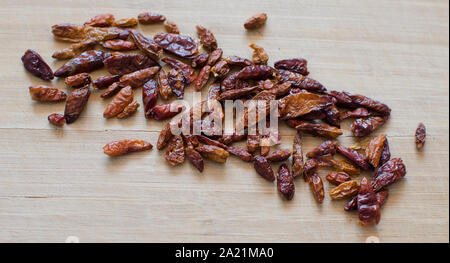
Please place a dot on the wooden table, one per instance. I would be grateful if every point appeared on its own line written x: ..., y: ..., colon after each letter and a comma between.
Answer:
x: 56, y: 182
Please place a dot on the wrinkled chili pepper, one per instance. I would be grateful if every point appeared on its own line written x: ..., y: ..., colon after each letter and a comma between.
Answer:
x: 355, y: 157
x: 122, y: 147
x: 262, y: 167
x: 56, y: 119
x: 374, y: 150
x: 163, y: 112
x: 368, y: 207
x: 327, y: 147
x: 207, y: 38
x: 389, y: 173
x: 285, y: 182
x: 122, y: 64
x: 149, y: 95
x: 86, y: 62
x: 36, y: 65
x: 183, y: 46
x: 76, y: 103
x: 297, y: 65
x: 46, y: 94
x: 150, y: 18
x: 420, y: 135
x: 365, y: 126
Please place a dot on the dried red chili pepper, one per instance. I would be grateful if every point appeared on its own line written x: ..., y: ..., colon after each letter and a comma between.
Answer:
x: 240, y: 152
x: 75, y: 49
x: 163, y: 112
x: 125, y: 22
x: 420, y: 135
x: 195, y: 158
x: 319, y: 129
x: 164, y: 137
x: 389, y: 173
x: 297, y: 65
x: 327, y: 147
x: 297, y: 156
x: 299, y: 81
x: 332, y: 116
x: 46, y: 94
x: 146, y: 45
x: 285, y: 182
x: 171, y: 27
x: 220, y: 69
x: 102, y: 20
x: 214, y: 91
x: 316, y: 185
x: 256, y: 72
x: 302, y: 103
x: 176, y: 82
x: 344, y: 166
x: 262, y: 167
x: 164, y: 87
x: 264, y: 146
x: 313, y: 115
x: 207, y: 38
x: 150, y: 18
x: 119, y: 102
x: 337, y: 178
x: 253, y: 143
x: 56, y: 119
x: 279, y: 155
x: 119, y: 45
x: 36, y: 65
x: 356, y: 113
x: 382, y: 197
x: 122, y: 64
x: 230, y: 82
x: 105, y: 81
x: 75, y: 104
x: 352, y: 204
x: 311, y: 167
x: 345, y: 190
x: 365, y: 126
x: 135, y: 80
x: 386, y: 154
x: 374, y: 150
x: 78, y: 81
x: 175, y: 151
x: 238, y: 61
x: 129, y: 110
x: 76, y: 33
x: 259, y: 56
x: 124, y: 34
x: 342, y: 98
x: 229, y: 139
x: 354, y: 156
x: 200, y: 60
x: 149, y: 95
x: 236, y: 93
x: 186, y: 70
x: 212, y: 152
x: 208, y: 141
x: 86, y: 62
x: 368, y: 207
x: 279, y: 90
x: 183, y: 46
x: 369, y: 103
x: 117, y: 148
x: 256, y: 21
x: 215, y: 56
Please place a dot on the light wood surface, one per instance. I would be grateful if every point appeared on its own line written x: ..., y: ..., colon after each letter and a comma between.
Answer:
x: 56, y: 183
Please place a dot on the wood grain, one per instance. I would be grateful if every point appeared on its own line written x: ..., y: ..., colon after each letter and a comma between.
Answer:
x: 56, y: 183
